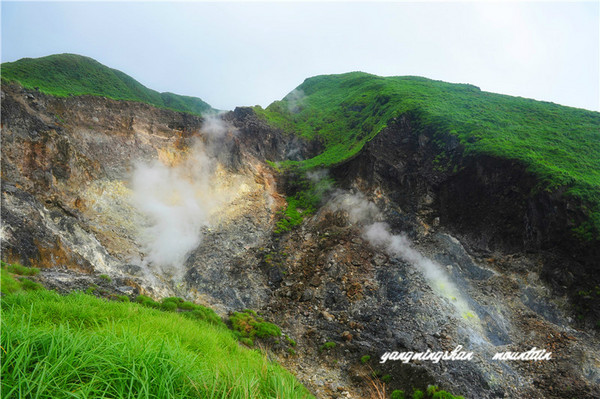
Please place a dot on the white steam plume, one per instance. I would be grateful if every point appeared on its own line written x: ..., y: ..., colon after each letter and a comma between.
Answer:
x: 398, y: 245
x: 214, y: 127
x: 364, y: 212
x: 294, y: 100
x: 360, y: 210
x: 178, y: 201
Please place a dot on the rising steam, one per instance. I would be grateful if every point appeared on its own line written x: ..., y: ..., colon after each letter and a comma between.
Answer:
x: 378, y: 234
x: 178, y: 200
x: 364, y: 212
x: 294, y: 100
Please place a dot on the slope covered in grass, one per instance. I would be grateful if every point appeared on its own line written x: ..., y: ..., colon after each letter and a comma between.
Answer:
x: 560, y: 145
x: 70, y: 74
x: 81, y: 346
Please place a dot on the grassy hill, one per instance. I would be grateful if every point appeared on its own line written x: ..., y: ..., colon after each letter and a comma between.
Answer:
x: 561, y: 145
x: 70, y: 74
x: 81, y: 346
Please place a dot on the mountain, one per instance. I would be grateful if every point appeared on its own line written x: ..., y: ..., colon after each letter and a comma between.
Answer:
x: 558, y: 144
x: 75, y: 75
x: 358, y: 217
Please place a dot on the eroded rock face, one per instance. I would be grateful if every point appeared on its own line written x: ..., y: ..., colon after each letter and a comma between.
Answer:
x: 337, y: 287
x: 492, y: 205
x: 67, y: 166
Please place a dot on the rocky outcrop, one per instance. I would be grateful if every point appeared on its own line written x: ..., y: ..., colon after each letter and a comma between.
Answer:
x: 267, y: 142
x: 67, y: 167
x: 493, y: 205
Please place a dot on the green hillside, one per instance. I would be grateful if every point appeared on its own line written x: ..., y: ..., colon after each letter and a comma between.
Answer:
x: 70, y: 74
x: 561, y: 145
x: 81, y: 346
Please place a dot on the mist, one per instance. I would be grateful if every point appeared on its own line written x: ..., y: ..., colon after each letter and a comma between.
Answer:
x: 294, y: 100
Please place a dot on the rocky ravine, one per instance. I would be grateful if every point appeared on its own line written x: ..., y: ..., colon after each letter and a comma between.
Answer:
x: 67, y: 167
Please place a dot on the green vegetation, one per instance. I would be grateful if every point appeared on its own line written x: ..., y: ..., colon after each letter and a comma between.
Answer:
x: 560, y: 145
x: 418, y: 394
x: 21, y: 270
x: 147, y: 301
x: 120, y: 298
x: 292, y: 215
x: 91, y: 289
x: 397, y: 394
x: 248, y: 326
x: 290, y: 341
x: 433, y: 392
x: 105, y: 277
x: 365, y: 359
x: 327, y: 346
x: 64, y: 75
x: 12, y: 279
x: 308, y: 193
x: 82, y: 346
x: 188, y: 309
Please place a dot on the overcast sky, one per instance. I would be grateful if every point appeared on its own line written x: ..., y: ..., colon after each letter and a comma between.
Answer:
x: 232, y: 54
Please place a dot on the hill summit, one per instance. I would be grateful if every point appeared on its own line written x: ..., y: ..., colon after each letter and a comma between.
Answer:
x: 71, y: 74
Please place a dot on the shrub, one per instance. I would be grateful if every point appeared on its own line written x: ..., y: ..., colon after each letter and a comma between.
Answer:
x: 386, y: 378
x: 168, y: 306
x: 121, y: 298
x: 397, y: 394
x: 434, y: 392
x: 327, y: 346
x: 91, y: 289
x: 445, y: 395
x: 147, y: 301
x: 205, y: 314
x: 418, y: 394
x: 174, y: 299
x: 248, y: 324
x: 187, y: 305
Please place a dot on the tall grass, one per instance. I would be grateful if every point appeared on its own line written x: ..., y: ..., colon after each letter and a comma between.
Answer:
x: 79, y: 346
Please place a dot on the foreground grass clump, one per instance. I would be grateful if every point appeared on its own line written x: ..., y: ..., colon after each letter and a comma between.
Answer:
x: 73, y: 75
x: 81, y: 346
x: 560, y: 145
x: 12, y: 280
x: 248, y: 326
x: 189, y: 309
x: 21, y: 270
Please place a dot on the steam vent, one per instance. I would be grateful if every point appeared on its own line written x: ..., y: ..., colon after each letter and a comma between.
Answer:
x: 363, y: 237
